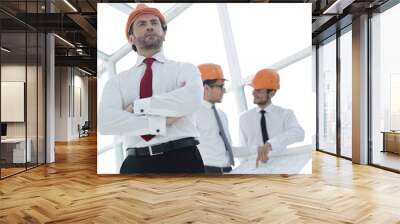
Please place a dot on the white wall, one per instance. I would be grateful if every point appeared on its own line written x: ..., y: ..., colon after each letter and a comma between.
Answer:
x: 69, y: 84
x: 79, y: 117
x: 15, y: 73
x: 33, y: 125
x: 61, y: 103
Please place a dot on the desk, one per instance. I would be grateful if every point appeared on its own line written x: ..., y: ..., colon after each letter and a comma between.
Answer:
x: 15, y: 148
x: 391, y: 141
x: 296, y: 160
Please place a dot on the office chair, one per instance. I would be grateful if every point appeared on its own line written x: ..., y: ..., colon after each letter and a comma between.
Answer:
x: 84, y: 130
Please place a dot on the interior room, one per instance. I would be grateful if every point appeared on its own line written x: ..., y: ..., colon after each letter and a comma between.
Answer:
x: 342, y: 80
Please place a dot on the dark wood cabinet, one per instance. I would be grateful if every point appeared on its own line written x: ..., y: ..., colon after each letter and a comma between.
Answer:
x: 391, y: 141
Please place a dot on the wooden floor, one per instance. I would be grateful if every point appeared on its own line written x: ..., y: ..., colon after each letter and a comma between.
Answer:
x: 70, y: 191
x: 387, y: 159
x: 10, y: 171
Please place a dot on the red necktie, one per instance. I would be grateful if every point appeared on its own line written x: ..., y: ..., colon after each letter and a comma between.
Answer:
x: 146, y: 87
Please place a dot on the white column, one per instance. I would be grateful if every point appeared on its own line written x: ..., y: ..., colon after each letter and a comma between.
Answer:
x: 378, y: 81
x: 50, y: 101
x: 360, y: 90
x: 232, y: 57
x: 314, y: 87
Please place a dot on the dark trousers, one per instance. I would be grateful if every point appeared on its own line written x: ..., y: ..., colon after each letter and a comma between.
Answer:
x: 216, y: 170
x: 183, y: 160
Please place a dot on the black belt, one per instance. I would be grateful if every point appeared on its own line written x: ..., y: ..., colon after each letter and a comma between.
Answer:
x: 217, y: 169
x: 163, y: 147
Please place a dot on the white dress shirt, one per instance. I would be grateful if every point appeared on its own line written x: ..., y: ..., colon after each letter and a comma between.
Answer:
x: 212, y: 147
x: 177, y: 92
x: 282, y: 127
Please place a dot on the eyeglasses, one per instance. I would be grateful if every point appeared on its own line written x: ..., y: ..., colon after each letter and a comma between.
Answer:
x: 219, y: 86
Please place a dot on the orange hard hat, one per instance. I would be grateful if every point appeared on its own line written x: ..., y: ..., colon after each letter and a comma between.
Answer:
x: 266, y: 79
x: 211, y: 71
x: 139, y: 10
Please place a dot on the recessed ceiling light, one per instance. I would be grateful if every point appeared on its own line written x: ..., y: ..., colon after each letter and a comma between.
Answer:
x: 86, y: 72
x: 70, y: 5
x: 5, y: 50
x: 338, y: 6
x: 65, y: 41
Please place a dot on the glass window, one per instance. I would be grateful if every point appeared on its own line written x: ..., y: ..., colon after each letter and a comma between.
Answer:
x: 13, y: 83
x: 163, y: 7
x: 206, y: 31
x: 261, y: 41
x: 106, y: 160
x: 22, y: 80
x: 327, y: 96
x: 110, y: 32
x: 22, y: 90
x: 32, y: 101
x: 297, y: 93
x: 346, y: 93
x: 127, y: 62
x: 386, y: 89
x: 394, y: 102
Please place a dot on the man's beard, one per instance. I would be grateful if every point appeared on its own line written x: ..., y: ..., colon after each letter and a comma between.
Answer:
x: 155, y: 43
x: 260, y: 101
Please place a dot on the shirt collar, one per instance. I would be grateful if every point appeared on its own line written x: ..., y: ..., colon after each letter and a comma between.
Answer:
x: 268, y: 109
x: 206, y: 104
x: 159, y: 57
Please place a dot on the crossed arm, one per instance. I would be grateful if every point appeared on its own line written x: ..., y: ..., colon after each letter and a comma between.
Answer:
x: 150, y: 115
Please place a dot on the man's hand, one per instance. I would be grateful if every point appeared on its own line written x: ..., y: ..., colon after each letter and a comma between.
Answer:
x: 263, y: 152
x: 129, y: 108
x: 172, y: 120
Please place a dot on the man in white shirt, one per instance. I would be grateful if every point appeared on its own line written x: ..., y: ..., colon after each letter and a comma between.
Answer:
x: 152, y: 105
x: 269, y: 125
x: 215, y: 140
x: 212, y: 123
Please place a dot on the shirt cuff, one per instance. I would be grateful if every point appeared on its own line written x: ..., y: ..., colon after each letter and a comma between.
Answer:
x: 141, y: 106
x: 157, y: 125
